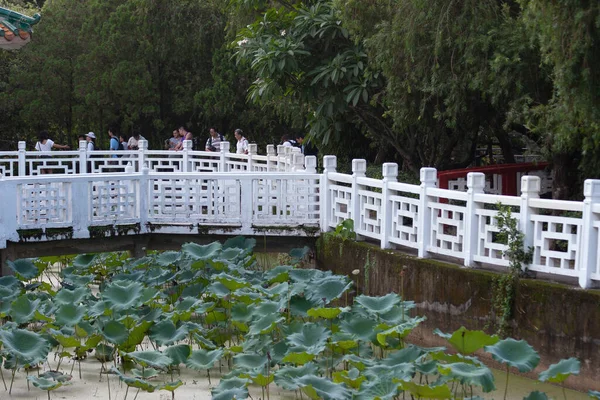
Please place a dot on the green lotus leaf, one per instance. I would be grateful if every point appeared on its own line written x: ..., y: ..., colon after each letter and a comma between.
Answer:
x: 27, y: 347
x: 328, y: 289
x: 594, y: 394
x: 468, y: 342
x: 378, y: 305
x: 305, y: 275
x: 202, y: 359
x: 444, y: 335
x: 66, y: 341
x: 454, y: 358
x: 231, y: 388
x: 298, y: 254
x: 266, y: 324
x: 426, y: 391
x: 469, y: 374
x: 99, y: 308
x: 66, y: 296
x: 352, y: 378
x: 262, y: 380
x: 232, y: 254
x: 145, y: 373
x: 560, y: 371
x: 189, y: 304
x: 104, y: 353
x: 231, y: 282
x: 11, y: 283
x: 240, y: 242
x: 23, y: 309
x: 44, y: 383
x: 115, y: 332
x: 249, y: 361
x: 399, y: 331
x: 123, y: 295
x: 204, y: 342
x: 536, y: 396
x: 326, y: 313
x: 320, y: 388
x: 24, y: 269
x: 168, y: 258
x: 379, y: 389
x: 241, y: 312
x: 408, y: 354
x: 134, y: 382
x: 170, y: 386
x: 398, y: 372
x: 278, y: 274
x: 514, y: 353
x: 285, y: 377
x: 148, y: 358
x: 166, y: 333
x: 136, y: 336
x: 55, y: 375
x: 311, y: 339
x: 178, y: 353
x: 298, y: 358
x: 215, y: 317
x: 278, y: 290
x: 218, y: 289
x: 83, y: 261
x: 69, y: 314
x: 359, y: 327
x: 198, y: 252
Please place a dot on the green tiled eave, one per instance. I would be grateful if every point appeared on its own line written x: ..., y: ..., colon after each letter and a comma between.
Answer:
x: 15, y: 21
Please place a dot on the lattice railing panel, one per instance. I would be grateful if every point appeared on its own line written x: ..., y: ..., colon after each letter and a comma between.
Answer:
x: 341, y: 203
x: 52, y: 165
x: 489, y: 249
x: 44, y: 204
x: 286, y: 200
x: 369, y: 220
x: 447, y: 229
x: 114, y: 200
x: 405, y: 221
x: 555, y: 244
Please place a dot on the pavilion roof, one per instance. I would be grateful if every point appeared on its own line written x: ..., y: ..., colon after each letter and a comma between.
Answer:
x: 15, y: 28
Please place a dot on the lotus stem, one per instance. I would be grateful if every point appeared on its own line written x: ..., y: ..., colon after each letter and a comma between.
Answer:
x: 3, y: 381
x: 506, y: 386
x: 564, y: 391
x: 14, y: 371
x: 208, y: 373
x: 108, y: 384
x: 136, y: 393
x: 48, y: 394
x: 126, y: 390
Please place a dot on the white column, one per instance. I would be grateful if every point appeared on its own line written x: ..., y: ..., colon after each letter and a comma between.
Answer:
x: 530, y: 189
x: 185, y: 158
x: 271, y: 155
x: 280, y: 166
x: 144, y: 194
x: 142, y: 149
x: 475, y: 185
x: 428, y: 180
x: 224, y: 149
x: 329, y: 166
x: 22, y: 165
x: 297, y: 162
x: 81, y: 204
x: 252, y: 151
x: 587, y: 257
x: 359, y: 167
x: 10, y: 210
x: 390, y: 174
x: 310, y: 163
x: 247, y: 205
x: 83, y: 157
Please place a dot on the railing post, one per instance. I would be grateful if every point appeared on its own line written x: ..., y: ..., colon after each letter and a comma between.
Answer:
x: 224, y: 150
x: 185, y: 159
x: 247, y: 205
x: 83, y: 157
x: 587, y: 256
x: 390, y: 174
x: 142, y: 149
x: 428, y: 180
x: 80, y: 207
x: 329, y: 166
x: 270, y: 155
x: 22, y: 165
x: 143, y: 199
x: 8, y: 222
x: 530, y: 189
x: 310, y: 163
x: 297, y: 162
x: 252, y: 151
x: 359, y: 167
x: 475, y: 185
x: 280, y: 155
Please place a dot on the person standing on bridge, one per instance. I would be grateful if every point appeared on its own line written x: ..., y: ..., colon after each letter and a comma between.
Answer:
x: 46, y: 144
x: 242, y: 142
x: 214, y: 141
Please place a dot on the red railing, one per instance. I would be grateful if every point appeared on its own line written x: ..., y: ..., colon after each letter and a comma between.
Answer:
x: 508, y: 174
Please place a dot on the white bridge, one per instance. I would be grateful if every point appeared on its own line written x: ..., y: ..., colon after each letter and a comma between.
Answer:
x: 281, y: 193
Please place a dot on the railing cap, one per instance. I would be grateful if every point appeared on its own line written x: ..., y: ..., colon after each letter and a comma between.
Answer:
x: 359, y: 166
x: 330, y: 163
x: 389, y: 170
x: 225, y: 147
x: 428, y: 175
x: 531, y: 184
x: 476, y: 181
x: 591, y: 189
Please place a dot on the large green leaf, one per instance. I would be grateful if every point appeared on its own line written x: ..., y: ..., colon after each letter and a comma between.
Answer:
x: 594, y: 394
x: 285, y: 377
x: 24, y: 268
x: 320, y: 388
x: 515, y: 353
x: 426, y: 391
x: 328, y: 289
x: 166, y: 333
x: 265, y: 324
x: 326, y: 313
x: 359, y: 327
x: 83, y: 261
x: 202, y: 359
x: 170, y: 386
x: 168, y: 258
x: 178, y: 353
x: 469, y: 374
x: 198, y: 252
x: 44, y: 383
x: 28, y: 347
x: 560, y: 371
x: 399, y: 331
x: 66, y: 296
x: 379, y: 389
x: 240, y: 242
x: 378, y: 305
x: 311, y: 339
x: 250, y: 361
x: 148, y: 358
x: 352, y: 378
x: 231, y: 388
x: 115, y: 332
x: 69, y: 314
x: 133, y: 381
x: 23, y: 309
x: 468, y: 342
x: 123, y: 295
x: 536, y: 396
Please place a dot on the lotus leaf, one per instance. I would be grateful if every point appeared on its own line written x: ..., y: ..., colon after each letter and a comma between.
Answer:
x: 399, y: 331
x: 240, y: 242
x: 232, y: 388
x: 379, y: 389
x: 298, y: 358
x: 279, y: 290
x: 378, y: 305
x: 67, y: 341
x: 104, y: 353
x: 560, y: 371
x: 198, y: 252
x: 514, y: 353
x: 99, y: 308
x: 44, y: 383
x: 359, y: 327
x: 286, y: 377
x: 123, y: 295
x: 115, y: 332
x: 262, y: 380
x: 69, y: 314
x: 55, y: 375
x: 311, y: 339
x: 202, y: 359
x: 23, y: 309
x: 469, y: 374
x: 241, y: 312
x: 231, y: 282
x: 136, y: 336
x: 468, y: 342
x: 250, y: 361
x: 328, y: 289
x: 145, y: 373
x: 278, y: 274
x: 320, y: 388
x: 167, y: 258
x: 218, y: 289
x: 27, y: 347
x: 134, y: 382
x: 536, y: 396
x: 166, y: 333
x: 66, y: 296
x: 178, y: 353
x: 305, y: 275
x: 24, y: 268
x: 400, y: 372
x: 154, y: 359
x: 426, y: 391
x: 11, y: 283
x: 408, y: 354
x: 594, y: 394
x: 83, y: 261
x: 326, y: 313
x: 351, y: 378
x: 265, y: 324
x: 299, y: 253
x: 170, y: 386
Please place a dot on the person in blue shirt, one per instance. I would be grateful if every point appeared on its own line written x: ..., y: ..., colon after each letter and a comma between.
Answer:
x: 114, y: 141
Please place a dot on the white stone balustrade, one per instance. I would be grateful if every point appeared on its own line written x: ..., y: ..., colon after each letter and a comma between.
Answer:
x: 283, y: 194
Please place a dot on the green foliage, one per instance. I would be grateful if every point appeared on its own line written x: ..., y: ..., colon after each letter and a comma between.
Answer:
x: 557, y: 373
x: 345, y: 229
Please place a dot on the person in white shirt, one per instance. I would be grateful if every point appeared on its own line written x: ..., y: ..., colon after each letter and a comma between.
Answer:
x: 91, y: 141
x: 46, y: 144
x: 242, y: 142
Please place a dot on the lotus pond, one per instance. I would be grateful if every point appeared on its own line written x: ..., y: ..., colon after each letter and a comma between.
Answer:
x: 173, y: 319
